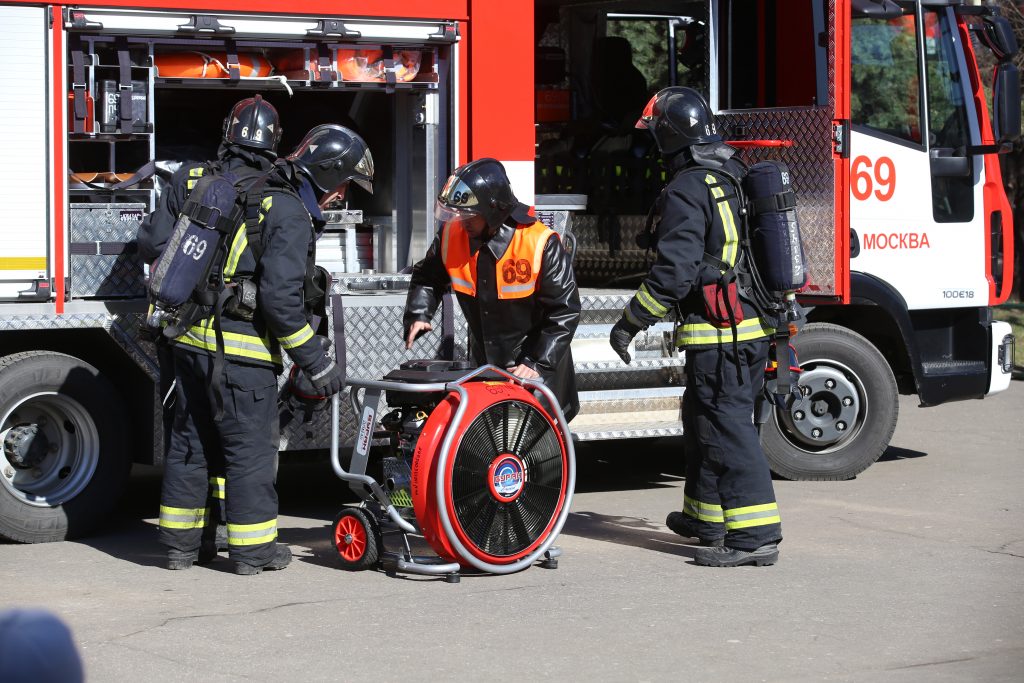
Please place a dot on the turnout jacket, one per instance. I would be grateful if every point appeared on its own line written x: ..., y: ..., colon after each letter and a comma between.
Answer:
x: 697, y: 212
x: 288, y: 242
x: 518, y: 293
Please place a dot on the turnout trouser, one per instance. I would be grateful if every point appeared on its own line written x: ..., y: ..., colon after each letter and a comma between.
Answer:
x: 230, y: 462
x: 728, y: 488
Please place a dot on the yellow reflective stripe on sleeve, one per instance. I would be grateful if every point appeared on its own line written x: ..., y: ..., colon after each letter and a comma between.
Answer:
x: 731, y: 246
x: 182, y: 518
x: 193, y: 174
x: 252, y: 534
x: 203, y: 336
x: 299, y: 338
x: 706, y: 512
x: 217, y: 485
x: 752, y: 515
x: 697, y: 334
x: 644, y: 298
x: 241, y: 240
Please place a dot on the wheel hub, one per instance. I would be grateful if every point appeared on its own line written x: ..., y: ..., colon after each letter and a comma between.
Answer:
x: 50, y: 450
x: 26, y: 446
x: 828, y: 410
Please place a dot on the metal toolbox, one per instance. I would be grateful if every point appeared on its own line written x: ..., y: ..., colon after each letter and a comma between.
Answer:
x: 346, y: 245
x: 103, y: 252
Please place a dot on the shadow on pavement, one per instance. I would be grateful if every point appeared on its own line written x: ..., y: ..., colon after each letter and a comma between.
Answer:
x: 897, y: 453
x: 631, y: 531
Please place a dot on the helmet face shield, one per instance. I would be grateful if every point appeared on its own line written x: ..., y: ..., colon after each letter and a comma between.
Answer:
x: 364, y: 167
x: 447, y: 214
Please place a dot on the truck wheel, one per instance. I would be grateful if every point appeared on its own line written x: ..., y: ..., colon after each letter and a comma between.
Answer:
x: 64, y: 460
x: 848, y: 413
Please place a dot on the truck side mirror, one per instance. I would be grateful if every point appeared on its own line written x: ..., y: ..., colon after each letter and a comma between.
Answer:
x: 1006, y: 102
x: 998, y: 36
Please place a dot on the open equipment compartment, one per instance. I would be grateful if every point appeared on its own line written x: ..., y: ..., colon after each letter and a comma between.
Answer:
x: 195, y: 67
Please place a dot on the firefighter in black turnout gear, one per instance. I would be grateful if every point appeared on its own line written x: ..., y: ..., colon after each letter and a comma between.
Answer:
x: 729, y: 502
x: 275, y: 260
x: 513, y: 280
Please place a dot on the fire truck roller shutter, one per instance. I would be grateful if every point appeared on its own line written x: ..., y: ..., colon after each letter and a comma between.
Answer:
x: 65, y: 457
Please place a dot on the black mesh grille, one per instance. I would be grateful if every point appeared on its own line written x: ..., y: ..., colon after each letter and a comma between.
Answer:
x: 497, y: 528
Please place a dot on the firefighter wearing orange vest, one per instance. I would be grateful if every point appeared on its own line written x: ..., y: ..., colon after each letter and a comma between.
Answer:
x: 513, y: 280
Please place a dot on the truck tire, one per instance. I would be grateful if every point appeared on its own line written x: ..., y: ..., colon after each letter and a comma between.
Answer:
x: 848, y: 414
x: 64, y: 460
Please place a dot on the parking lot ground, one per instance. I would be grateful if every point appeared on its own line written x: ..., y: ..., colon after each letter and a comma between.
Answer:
x: 913, y: 571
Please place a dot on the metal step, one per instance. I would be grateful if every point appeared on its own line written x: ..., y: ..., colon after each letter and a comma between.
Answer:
x: 628, y: 413
x: 954, y: 367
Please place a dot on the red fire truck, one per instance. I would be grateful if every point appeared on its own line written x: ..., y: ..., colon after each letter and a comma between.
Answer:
x: 877, y: 106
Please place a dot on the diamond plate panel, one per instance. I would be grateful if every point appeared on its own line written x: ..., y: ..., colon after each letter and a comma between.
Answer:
x: 107, y: 276
x: 810, y: 161
x: 54, y: 322
x: 373, y: 336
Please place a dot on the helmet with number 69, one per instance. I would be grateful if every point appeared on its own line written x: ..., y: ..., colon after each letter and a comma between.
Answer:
x: 479, y: 188
x: 253, y: 123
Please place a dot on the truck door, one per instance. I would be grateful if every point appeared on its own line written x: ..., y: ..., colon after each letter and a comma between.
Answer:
x: 24, y: 79
x: 912, y: 127
x: 774, y: 88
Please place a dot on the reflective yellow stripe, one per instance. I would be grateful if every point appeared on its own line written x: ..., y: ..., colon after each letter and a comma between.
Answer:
x: 698, y: 334
x: 299, y: 338
x: 752, y: 515
x: 645, y: 299
x: 217, y: 485
x: 202, y: 336
x: 252, y: 534
x: 182, y: 518
x: 238, y: 245
x: 730, y: 248
x: 706, y: 512
x: 735, y: 512
x: 241, y: 241
x: 194, y: 174
x: 23, y: 263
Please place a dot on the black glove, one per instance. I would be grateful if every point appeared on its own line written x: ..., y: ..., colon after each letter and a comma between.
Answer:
x: 621, y: 335
x: 326, y: 377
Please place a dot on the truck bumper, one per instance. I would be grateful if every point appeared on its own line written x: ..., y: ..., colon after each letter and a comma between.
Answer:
x: 1002, y: 357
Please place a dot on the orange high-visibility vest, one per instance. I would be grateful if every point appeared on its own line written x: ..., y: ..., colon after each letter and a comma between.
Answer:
x: 517, y: 269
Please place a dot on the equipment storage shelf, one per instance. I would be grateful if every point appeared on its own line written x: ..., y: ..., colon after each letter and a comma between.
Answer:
x: 264, y: 64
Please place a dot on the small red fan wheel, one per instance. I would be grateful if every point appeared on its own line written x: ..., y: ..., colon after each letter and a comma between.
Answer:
x: 357, y: 539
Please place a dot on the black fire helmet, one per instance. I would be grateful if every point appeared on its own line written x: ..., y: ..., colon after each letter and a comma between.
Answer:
x: 331, y: 155
x: 679, y: 117
x: 253, y: 123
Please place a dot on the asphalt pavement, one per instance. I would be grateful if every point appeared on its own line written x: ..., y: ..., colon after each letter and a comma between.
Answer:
x: 913, y: 571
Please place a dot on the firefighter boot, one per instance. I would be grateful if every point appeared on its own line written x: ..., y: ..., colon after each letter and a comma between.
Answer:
x: 683, y: 525
x: 282, y: 556
x: 734, y: 557
x: 184, y: 559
